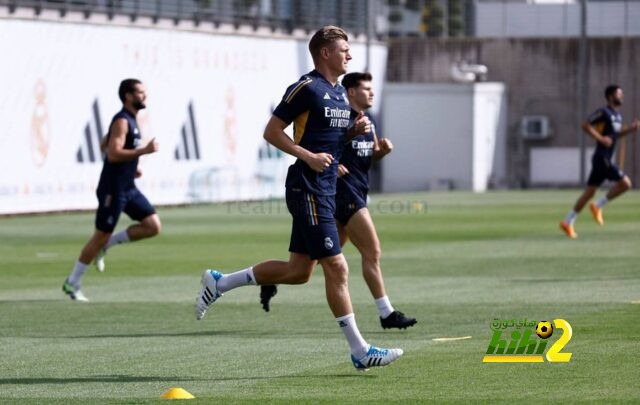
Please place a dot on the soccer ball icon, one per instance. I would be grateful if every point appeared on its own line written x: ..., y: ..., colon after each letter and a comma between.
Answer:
x: 544, y: 329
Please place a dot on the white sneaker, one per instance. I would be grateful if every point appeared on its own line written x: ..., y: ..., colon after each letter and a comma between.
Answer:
x: 100, y: 260
x: 73, y: 292
x: 376, y: 357
x: 80, y: 296
x: 209, y: 293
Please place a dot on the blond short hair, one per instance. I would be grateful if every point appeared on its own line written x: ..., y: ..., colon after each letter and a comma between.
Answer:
x: 324, y: 37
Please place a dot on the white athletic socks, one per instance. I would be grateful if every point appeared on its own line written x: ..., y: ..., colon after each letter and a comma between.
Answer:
x: 571, y: 217
x: 357, y: 344
x: 117, y: 238
x: 76, y: 274
x: 384, y: 306
x: 601, y: 202
x: 237, y: 279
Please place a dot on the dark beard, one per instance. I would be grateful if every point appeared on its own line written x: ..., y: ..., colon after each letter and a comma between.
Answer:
x: 138, y: 105
x: 617, y: 102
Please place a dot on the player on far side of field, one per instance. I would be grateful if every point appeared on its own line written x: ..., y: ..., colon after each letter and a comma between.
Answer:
x: 117, y: 191
x: 318, y: 107
x: 605, y: 126
x: 353, y: 217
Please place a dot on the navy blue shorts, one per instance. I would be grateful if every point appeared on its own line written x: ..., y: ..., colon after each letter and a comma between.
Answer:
x: 132, y: 202
x: 603, y: 169
x: 348, y: 202
x: 314, y: 230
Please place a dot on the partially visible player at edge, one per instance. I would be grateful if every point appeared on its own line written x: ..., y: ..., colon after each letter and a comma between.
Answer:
x: 117, y: 191
x: 605, y: 126
x: 317, y: 104
x: 352, y: 214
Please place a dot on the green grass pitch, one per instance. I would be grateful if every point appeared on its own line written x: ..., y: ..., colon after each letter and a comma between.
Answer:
x: 462, y: 261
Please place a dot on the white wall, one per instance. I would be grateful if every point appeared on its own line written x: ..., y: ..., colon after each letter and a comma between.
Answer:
x: 489, y: 135
x: 444, y: 135
x: 557, y: 165
x: 53, y: 73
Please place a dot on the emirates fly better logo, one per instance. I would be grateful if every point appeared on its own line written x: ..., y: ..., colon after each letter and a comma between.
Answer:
x: 527, y: 341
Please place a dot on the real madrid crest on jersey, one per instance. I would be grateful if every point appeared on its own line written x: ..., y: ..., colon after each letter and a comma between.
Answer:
x: 617, y: 126
x: 616, y: 123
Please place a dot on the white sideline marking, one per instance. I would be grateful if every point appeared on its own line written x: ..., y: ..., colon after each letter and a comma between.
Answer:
x: 44, y: 255
x: 635, y: 302
x: 449, y: 339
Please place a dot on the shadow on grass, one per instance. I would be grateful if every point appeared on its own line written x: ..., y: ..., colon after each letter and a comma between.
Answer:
x: 238, y: 333
x: 533, y: 280
x: 119, y: 378
x: 211, y: 333
x: 35, y: 301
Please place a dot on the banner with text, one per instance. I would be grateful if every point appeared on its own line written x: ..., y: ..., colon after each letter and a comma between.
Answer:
x: 209, y: 97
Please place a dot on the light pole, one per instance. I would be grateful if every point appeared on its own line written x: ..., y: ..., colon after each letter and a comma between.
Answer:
x: 582, y: 83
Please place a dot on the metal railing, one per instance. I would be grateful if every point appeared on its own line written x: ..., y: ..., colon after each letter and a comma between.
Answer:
x: 286, y: 15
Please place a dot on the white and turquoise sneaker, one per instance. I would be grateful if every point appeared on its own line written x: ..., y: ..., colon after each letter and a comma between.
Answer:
x: 100, y: 260
x: 209, y: 293
x: 74, y: 292
x: 376, y: 357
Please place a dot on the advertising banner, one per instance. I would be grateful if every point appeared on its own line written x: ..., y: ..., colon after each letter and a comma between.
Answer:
x: 209, y: 97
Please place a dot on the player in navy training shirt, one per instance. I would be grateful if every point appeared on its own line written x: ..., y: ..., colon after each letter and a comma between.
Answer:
x: 317, y: 105
x: 117, y: 191
x: 605, y: 126
x: 354, y: 219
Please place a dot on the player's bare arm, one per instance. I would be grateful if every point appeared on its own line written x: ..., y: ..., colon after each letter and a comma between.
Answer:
x: 633, y: 128
x: 115, y: 149
x: 104, y: 142
x: 589, y: 129
x: 275, y: 135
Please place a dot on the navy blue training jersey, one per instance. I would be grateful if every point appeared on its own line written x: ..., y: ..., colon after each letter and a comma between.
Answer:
x: 320, y: 114
x: 356, y: 157
x: 607, y: 122
x: 120, y: 175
